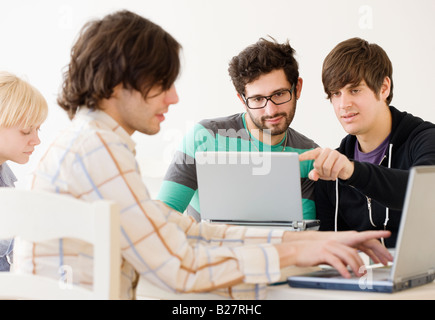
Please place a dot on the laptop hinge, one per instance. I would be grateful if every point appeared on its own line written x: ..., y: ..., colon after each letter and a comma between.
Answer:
x: 299, y: 225
x: 293, y: 225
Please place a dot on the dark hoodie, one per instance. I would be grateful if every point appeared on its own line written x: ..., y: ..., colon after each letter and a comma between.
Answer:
x: 413, y: 144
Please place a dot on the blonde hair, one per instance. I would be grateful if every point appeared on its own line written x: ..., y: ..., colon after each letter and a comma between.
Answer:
x: 20, y: 103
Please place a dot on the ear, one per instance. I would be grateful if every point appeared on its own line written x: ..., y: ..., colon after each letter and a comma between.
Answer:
x: 385, y: 89
x: 116, y: 91
x: 299, y: 88
x: 241, y: 100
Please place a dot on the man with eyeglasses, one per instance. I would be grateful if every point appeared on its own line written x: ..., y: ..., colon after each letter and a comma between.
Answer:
x: 266, y: 78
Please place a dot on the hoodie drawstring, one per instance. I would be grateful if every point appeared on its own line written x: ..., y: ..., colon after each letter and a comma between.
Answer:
x: 387, y: 210
x: 336, y: 206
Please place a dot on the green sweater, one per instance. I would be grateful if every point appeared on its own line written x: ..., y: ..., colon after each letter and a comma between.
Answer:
x: 180, y: 187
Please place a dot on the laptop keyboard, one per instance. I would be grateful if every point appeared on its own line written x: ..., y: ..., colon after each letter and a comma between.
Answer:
x: 375, y: 273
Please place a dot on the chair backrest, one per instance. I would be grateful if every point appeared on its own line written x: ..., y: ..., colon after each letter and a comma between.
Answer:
x: 40, y: 216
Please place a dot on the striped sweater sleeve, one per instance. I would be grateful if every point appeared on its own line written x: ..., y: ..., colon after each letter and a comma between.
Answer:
x: 180, y: 182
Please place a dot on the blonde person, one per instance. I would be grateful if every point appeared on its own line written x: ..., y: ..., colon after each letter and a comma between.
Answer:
x: 22, y: 111
x: 121, y: 80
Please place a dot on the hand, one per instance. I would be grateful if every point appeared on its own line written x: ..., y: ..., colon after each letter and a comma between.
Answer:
x: 328, y: 164
x: 307, y: 253
x: 338, y: 249
x: 366, y: 241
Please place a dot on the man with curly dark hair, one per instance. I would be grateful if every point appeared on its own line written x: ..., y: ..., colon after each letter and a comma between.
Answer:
x: 266, y: 78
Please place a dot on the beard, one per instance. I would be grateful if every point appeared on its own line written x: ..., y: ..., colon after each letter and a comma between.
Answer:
x: 274, y: 129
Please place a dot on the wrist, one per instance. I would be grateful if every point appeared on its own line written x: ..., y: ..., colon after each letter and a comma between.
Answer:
x: 347, y: 173
x: 287, y: 254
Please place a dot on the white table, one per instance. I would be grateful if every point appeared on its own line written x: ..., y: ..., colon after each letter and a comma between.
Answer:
x: 284, y: 292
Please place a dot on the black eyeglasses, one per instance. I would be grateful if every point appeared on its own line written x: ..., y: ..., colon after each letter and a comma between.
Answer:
x: 278, y: 98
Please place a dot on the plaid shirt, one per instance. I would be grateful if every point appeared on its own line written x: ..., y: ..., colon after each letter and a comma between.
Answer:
x: 95, y: 159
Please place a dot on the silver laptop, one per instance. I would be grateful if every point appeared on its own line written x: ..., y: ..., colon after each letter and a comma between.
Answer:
x: 251, y: 188
x: 414, y: 261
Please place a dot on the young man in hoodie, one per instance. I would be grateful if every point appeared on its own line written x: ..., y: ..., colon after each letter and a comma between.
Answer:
x: 363, y: 183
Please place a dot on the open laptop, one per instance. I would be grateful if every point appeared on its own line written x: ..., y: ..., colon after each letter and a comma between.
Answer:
x: 414, y: 262
x: 251, y: 188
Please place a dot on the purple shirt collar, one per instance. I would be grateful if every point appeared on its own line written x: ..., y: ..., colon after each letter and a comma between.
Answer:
x: 376, y: 156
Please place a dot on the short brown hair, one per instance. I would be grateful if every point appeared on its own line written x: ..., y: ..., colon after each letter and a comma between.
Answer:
x: 354, y: 60
x: 261, y: 58
x: 121, y: 48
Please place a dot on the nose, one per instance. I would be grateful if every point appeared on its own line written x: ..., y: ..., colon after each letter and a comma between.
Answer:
x: 271, y: 108
x: 172, y: 95
x: 34, y: 141
x: 345, y: 101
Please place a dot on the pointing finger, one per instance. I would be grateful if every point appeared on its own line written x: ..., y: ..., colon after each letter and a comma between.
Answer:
x: 310, y: 155
x: 313, y: 175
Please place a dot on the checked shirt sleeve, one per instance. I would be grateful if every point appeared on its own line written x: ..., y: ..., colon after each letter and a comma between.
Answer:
x: 169, y: 255
x: 168, y: 248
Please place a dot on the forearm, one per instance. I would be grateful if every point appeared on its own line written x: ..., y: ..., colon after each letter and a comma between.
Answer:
x: 290, y: 236
x: 192, y: 256
x: 222, y: 234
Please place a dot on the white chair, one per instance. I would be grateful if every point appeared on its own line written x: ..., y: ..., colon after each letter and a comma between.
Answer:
x: 41, y: 216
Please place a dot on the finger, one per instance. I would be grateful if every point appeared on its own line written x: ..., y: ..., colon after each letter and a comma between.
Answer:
x: 359, y: 238
x: 384, y: 255
x: 335, y: 163
x: 377, y: 252
x: 331, y: 166
x: 313, y: 175
x: 338, y: 264
x: 339, y: 166
x: 369, y: 243
x: 376, y: 257
x: 349, y: 256
x: 346, y: 255
x: 310, y: 155
x: 371, y: 254
x: 319, y: 162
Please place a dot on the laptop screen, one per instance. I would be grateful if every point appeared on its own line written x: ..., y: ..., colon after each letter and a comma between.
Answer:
x: 249, y: 186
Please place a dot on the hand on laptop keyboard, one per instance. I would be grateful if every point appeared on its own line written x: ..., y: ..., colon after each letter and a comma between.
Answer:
x: 339, y: 250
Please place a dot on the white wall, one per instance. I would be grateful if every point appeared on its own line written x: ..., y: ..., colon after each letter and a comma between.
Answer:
x: 36, y: 37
